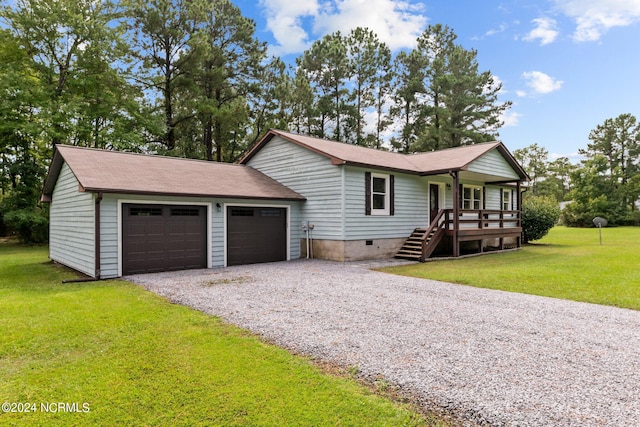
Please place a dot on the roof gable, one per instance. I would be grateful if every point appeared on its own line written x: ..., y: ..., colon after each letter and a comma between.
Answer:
x: 429, y: 163
x: 118, y: 172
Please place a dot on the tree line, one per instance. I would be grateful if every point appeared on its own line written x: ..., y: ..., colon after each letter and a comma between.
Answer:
x: 189, y: 78
x: 606, y: 183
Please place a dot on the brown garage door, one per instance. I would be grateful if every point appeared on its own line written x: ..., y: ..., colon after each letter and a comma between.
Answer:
x: 163, y: 238
x: 256, y: 234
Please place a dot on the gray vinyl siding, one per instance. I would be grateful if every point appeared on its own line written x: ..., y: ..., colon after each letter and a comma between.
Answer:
x: 411, y: 207
x: 493, y: 201
x: 108, y: 237
x: 492, y: 163
x: 311, y: 175
x: 109, y: 225
x: 71, y: 226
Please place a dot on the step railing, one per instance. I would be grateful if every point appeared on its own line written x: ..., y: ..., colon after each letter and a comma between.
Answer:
x: 436, y: 230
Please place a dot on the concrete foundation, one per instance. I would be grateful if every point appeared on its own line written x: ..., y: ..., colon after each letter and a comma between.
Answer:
x: 353, y: 250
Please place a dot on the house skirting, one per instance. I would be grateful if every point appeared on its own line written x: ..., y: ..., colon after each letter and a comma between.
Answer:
x: 353, y: 250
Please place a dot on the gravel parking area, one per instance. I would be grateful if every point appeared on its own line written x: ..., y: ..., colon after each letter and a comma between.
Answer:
x: 487, y: 357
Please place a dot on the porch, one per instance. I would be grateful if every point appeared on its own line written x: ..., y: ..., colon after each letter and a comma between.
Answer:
x: 490, y: 229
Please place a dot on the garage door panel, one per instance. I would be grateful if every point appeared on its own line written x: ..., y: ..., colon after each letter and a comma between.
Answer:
x: 163, y: 238
x: 256, y: 234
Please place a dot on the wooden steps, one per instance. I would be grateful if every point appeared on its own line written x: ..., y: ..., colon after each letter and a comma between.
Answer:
x: 412, y: 248
x: 423, y: 241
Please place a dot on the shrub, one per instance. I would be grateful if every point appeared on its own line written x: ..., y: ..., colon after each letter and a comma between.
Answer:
x: 32, y: 225
x: 581, y: 213
x: 539, y: 215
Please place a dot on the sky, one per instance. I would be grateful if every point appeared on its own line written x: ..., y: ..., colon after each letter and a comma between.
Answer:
x: 567, y: 65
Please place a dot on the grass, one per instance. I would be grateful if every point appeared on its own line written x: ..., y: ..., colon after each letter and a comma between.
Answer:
x: 132, y: 358
x: 568, y: 263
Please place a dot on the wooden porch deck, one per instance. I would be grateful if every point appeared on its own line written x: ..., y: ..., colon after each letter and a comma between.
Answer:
x: 482, y: 225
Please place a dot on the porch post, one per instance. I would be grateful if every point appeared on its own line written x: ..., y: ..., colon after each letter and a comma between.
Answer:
x: 519, y: 204
x: 456, y: 212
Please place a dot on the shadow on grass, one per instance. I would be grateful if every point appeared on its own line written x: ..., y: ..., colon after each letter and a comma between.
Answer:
x: 544, y: 245
x: 39, y: 277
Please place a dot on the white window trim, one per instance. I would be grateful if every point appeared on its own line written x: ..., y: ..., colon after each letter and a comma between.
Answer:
x: 506, y: 194
x: 472, y: 187
x: 387, y: 198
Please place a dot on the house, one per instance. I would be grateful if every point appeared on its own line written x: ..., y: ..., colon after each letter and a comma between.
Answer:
x: 114, y: 213
x: 364, y: 203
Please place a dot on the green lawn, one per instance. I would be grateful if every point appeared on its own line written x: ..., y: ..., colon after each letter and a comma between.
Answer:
x: 130, y: 357
x: 568, y: 263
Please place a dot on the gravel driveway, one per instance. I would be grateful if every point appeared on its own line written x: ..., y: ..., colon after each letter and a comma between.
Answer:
x: 485, y: 356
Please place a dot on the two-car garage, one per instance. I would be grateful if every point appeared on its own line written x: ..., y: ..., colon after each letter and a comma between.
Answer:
x: 174, y: 237
x: 115, y: 213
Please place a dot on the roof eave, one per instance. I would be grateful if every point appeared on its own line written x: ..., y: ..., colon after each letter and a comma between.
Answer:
x: 379, y: 167
x: 52, y: 176
x: 272, y: 133
x: 207, y: 195
x: 257, y: 147
x: 441, y: 171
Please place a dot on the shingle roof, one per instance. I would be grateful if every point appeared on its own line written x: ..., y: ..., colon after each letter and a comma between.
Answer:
x: 453, y: 158
x: 118, y: 172
x: 428, y: 163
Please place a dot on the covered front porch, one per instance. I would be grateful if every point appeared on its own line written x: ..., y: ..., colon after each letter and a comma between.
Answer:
x: 477, y: 213
x: 489, y: 230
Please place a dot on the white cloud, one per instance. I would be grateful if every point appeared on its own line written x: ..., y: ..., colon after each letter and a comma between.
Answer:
x: 510, y: 118
x: 546, y: 31
x: 285, y: 21
x: 294, y: 23
x: 541, y: 83
x: 595, y: 17
x: 521, y: 93
x: 502, y: 28
x: 397, y: 23
x: 573, y: 157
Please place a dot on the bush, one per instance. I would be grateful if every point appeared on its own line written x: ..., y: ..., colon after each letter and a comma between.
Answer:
x: 539, y: 215
x: 31, y: 225
x: 581, y: 214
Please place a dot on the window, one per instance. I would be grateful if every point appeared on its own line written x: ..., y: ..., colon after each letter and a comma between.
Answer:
x: 271, y: 212
x: 242, y: 212
x: 471, y: 197
x: 506, y: 200
x: 379, y: 194
x: 185, y: 212
x: 146, y: 211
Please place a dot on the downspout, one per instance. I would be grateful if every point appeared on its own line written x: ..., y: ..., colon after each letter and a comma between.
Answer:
x: 519, y: 205
x: 456, y: 212
x: 97, y: 235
